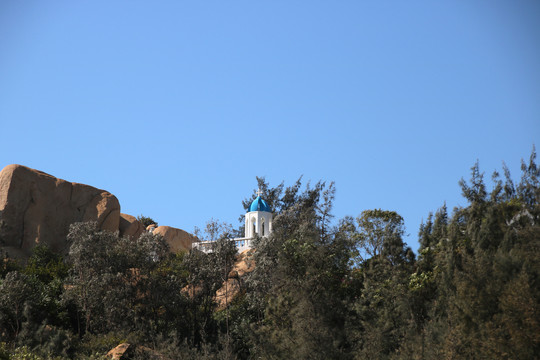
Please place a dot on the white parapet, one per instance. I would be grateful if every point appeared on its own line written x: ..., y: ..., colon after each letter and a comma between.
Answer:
x: 243, y: 243
x: 208, y: 246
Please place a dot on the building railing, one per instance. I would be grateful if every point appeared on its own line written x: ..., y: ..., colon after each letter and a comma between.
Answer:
x: 208, y: 246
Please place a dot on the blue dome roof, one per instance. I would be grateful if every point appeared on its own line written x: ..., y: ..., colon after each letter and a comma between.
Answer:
x: 259, y: 205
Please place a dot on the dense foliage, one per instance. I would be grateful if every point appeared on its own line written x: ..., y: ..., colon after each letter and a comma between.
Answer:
x: 321, y: 289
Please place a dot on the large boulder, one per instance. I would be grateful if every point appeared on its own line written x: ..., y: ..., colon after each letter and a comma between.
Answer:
x: 178, y: 239
x: 37, y: 208
x: 130, y: 226
x: 123, y: 351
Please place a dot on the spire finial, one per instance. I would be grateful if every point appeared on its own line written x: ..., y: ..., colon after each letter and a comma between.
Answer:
x: 259, y: 192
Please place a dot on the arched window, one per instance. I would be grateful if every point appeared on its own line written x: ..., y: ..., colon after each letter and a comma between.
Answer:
x: 262, y: 227
x: 253, y: 227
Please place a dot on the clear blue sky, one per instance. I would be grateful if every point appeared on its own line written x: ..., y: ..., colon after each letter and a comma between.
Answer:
x: 176, y: 106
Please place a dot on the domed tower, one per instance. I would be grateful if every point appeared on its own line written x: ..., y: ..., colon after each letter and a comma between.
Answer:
x: 258, y: 218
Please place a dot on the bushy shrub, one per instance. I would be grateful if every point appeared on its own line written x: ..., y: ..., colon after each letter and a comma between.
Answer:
x: 146, y: 221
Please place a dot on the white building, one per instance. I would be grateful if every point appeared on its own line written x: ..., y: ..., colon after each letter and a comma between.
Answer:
x: 258, y: 222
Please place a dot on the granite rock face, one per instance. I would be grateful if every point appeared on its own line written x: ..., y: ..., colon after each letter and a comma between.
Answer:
x: 243, y: 265
x: 121, y: 352
x: 130, y: 226
x: 37, y: 208
x: 178, y: 239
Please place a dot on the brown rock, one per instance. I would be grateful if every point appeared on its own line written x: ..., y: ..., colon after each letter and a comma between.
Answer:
x: 227, y: 292
x: 130, y: 226
x: 121, y: 352
x: 178, y: 239
x: 127, y: 351
x: 244, y: 263
x: 232, y: 286
x: 37, y: 208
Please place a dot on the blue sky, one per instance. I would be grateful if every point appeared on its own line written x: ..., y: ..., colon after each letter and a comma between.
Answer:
x: 176, y: 106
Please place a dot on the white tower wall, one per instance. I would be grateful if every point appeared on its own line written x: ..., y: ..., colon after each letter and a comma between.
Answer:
x: 258, y: 223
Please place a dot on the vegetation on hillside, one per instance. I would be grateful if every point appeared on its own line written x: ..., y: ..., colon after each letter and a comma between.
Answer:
x: 321, y: 289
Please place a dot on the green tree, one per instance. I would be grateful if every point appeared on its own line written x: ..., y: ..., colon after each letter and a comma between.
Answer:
x: 481, y: 270
x: 423, y: 284
x: 7, y: 264
x: 380, y: 233
x: 17, y: 293
x: 110, y: 274
x: 46, y: 265
x: 214, y: 230
x: 146, y: 221
x: 46, y: 325
x: 296, y: 291
x: 206, y: 273
x: 386, y: 264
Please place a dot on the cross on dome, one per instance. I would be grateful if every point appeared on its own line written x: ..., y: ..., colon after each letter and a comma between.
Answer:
x: 259, y: 204
x: 259, y: 192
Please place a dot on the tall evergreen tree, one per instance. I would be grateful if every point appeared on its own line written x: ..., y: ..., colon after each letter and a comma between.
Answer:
x: 488, y: 248
x: 297, y: 286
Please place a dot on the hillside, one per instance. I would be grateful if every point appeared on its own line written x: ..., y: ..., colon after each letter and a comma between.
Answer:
x: 314, y: 289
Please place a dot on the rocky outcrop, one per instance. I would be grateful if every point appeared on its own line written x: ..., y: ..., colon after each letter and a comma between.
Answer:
x: 121, y: 352
x: 244, y: 264
x: 36, y: 207
x: 233, y: 285
x: 230, y: 288
x: 130, y: 226
x: 178, y: 239
x: 126, y: 351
